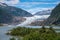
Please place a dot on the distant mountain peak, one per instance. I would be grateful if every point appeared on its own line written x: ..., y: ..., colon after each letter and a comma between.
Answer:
x: 44, y: 12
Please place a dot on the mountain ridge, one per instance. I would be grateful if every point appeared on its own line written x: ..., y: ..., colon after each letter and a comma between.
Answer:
x: 10, y: 14
x: 54, y: 18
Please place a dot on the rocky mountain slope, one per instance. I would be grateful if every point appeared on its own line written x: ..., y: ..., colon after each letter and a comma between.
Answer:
x: 54, y: 17
x: 10, y: 14
x: 14, y: 10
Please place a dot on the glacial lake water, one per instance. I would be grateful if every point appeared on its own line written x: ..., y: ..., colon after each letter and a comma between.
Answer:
x: 4, y: 29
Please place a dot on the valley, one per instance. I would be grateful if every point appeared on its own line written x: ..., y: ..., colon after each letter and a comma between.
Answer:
x: 19, y: 24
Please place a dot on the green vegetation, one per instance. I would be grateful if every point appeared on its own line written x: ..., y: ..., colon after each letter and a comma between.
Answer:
x: 12, y: 38
x: 42, y: 34
x: 35, y: 33
x: 21, y: 31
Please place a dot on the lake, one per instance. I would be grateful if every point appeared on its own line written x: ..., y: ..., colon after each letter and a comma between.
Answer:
x: 4, y: 29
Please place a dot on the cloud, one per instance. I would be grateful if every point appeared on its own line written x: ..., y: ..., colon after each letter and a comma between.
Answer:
x: 35, y: 3
x: 40, y: 2
x: 1, y: 0
x: 31, y: 5
x: 34, y: 7
x: 28, y: 5
x: 10, y: 2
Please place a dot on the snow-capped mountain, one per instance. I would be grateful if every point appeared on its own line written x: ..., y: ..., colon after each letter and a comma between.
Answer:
x: 44, y: 12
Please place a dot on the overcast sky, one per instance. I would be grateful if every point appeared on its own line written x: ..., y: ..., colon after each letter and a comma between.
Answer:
x: 32, y: 6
